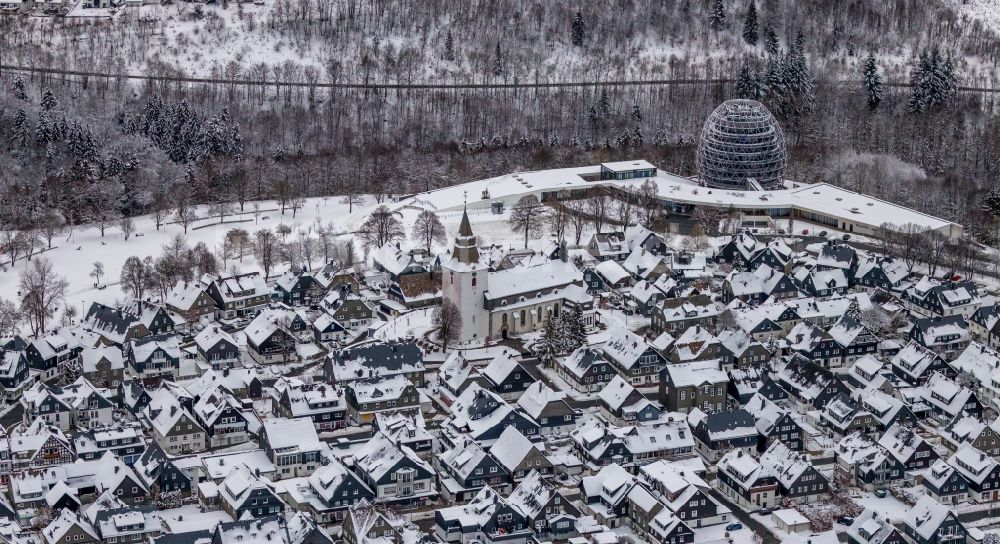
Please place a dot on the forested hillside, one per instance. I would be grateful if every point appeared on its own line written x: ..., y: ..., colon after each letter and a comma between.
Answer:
x: 86, y: 148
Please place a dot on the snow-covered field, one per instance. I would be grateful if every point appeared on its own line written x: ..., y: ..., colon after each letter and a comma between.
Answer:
x: 74, y: 253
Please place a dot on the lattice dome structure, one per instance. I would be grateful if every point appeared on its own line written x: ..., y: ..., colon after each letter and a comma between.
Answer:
x: 742, y: 147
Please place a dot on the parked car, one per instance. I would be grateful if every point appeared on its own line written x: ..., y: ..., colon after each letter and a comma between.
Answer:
x: 880, y: 493
x: 734, y: 526
x: 846, y: 237
x: 848, y: 521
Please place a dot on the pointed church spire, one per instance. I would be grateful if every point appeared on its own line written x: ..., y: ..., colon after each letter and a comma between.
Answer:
x: 465, y: 229
x: 466, y: 246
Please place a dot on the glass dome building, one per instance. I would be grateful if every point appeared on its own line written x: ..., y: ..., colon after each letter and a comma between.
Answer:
x: 742, y: 147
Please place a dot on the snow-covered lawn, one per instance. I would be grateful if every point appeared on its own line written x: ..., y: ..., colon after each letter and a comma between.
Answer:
x: 74, y: 253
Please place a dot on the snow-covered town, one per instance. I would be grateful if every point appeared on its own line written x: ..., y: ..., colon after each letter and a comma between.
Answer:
x: 499, y: 272
x: 592, y: 355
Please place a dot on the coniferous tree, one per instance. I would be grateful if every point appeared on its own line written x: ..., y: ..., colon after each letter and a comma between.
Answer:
x: 750, y: 30
x: 20, y: 92
x: 550, y: 344
x: 498, y: 62
x: 873, y: 83
x: 636, y: 113
x: 578, y: 29
x: 919, y: 80
x: 717, y: 15
x: 604, y: 104
x: 449, y: 47
x: 748, y: 84
x: 571, y: 329
x: 771, y: 44
x: 48, y: 100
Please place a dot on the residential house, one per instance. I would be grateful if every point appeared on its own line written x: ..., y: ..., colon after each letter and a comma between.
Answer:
x: 270, y: 338
x: 716, y: 433
x: 947, y: 335
x: 395, y: 473
x: 239, y: 295
x: 376, y: 360
x: 103, y: 366
x: 635, y: 359
x: 155, y: 357
x: 930, y: 522
x: 548, y: 408
x: 244, y: 491
x: 322, y: 403
x: 518, y: 455
x: 292, y: 445
x: 699, y: 384
x: 367, y: 397
x: 931, y: 297
x: 191, y: 301
x: 507, y: 376
x: 217, y: 349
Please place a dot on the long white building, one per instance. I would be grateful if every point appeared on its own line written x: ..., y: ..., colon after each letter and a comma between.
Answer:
x: 818, y: 203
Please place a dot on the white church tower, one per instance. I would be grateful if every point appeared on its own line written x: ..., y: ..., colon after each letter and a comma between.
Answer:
x: 464, y: 281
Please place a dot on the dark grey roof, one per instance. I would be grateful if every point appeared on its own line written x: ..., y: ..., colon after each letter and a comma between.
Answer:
x: 389, y: 356
x: 725, y: 421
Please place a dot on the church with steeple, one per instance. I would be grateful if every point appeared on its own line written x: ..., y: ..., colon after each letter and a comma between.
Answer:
x: 495, y: 304
x: 464, y: 281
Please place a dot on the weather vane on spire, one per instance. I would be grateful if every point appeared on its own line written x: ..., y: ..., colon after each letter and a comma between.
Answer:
x: 465, y: 198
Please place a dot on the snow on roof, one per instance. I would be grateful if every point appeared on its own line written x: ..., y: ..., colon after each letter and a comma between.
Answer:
x: 184, y: 295
x: 380, y: 455
x: 240, y: 286
x: 527, y: 280
x: 627, y: 166
x: 112, y: 354
x: 624, y: 347
x: 972, y: 463
x: 143, y: 348
x: 785, y: 464
x: 978, y: 360
x: 218, y: 466
x: 790, y: 517
x: 901, y: 442
x: 380, y: 389
x: 511, y: 448
x: 696, y: 373
x: 616, y: 393
x: 926, y: 516
x: 537, y: 397
x: 327, y: 479
x: 671, y: 477
x: 501, y: 367
x: 266, y: 323
x: 210, y: 336
x: 290, y: 435
x: 531, y: 495
x: 63, y: 522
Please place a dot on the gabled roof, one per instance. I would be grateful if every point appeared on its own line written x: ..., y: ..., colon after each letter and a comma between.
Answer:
x: 511, y: 448
x: 380, y: 455
x: 926, y: 516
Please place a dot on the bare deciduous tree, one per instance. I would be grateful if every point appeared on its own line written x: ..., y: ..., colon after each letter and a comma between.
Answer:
x: 265, y: 249
x: 527, y: 216
x: 97, y: 272
x: 381, y: 227
x: 135, y: 277
x: 41, y: 290
x: 428, y: 229
x: 448, y: 320
x: 127, y: 226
